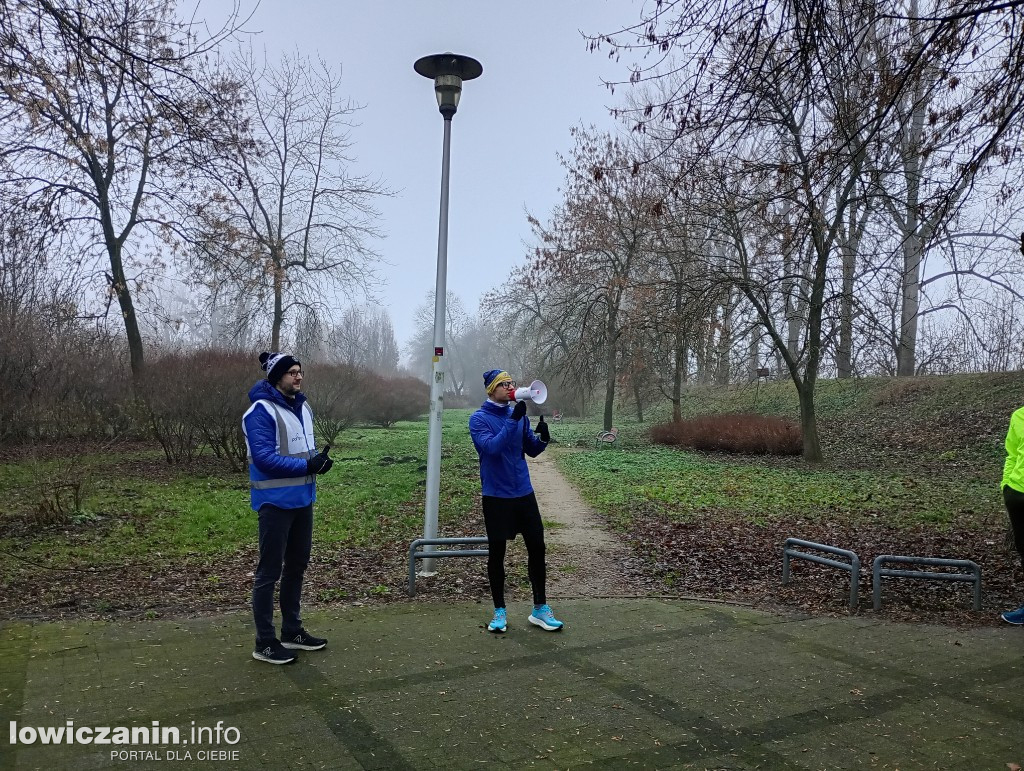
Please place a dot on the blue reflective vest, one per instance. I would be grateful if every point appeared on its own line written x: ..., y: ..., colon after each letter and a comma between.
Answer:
x: 279, y: 439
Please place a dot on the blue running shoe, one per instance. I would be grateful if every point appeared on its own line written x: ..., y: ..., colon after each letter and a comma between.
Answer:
x: 1015, y: 617
x: 545, y: 619
x: 499, y: 623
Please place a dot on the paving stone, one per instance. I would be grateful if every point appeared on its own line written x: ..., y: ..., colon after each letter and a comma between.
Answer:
x: 627, y: 684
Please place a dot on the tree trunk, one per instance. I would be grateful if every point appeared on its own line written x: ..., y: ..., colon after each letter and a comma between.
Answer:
x: 906, y: 351
x: 707, y: 372
x: 278, y: 322
x: 638, y: 398
x: 794, y: 319
x: 844, y: 353
x: 753, y: 357
x: 609, y: 392
x: 677, y: 379
x: 805, y: 386
x: 609, y: 399
x: 724, y: 344
x: 809, y: 423
x: 790, y: 289
x: 127, y: 305
x: 913, y: 243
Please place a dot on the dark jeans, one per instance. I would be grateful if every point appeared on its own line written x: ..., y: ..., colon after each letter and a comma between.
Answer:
x: 1015, y: 508
x: 286, y: 538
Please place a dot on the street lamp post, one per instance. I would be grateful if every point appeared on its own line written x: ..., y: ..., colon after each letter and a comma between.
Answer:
x: 448, y: 71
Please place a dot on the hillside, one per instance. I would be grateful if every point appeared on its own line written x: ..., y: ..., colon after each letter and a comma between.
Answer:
x: 933, y: 422
x: 911, y: 467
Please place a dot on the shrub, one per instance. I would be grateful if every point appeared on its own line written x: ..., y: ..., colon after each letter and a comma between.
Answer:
x: 196, y: 399
x: 170, y: 390
x: 737, y: 433
x: 217, y: 413
x: 387, y: 400
x: 59, y: 379
x: 336, y: 393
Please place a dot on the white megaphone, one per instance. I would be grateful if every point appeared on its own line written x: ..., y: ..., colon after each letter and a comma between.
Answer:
x: 536, y: 392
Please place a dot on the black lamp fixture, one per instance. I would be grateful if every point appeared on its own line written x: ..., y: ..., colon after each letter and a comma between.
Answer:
x: 448, y: 71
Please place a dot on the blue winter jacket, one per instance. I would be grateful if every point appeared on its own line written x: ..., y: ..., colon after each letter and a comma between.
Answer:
x: 278, y: 476
x: 501, y: 441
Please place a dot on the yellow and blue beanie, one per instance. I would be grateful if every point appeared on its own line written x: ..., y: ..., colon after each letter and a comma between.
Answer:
x: 494, y: 376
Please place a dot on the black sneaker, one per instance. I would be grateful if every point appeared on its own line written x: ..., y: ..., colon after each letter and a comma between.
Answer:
x: 303, y: 641
x: 273, y: 653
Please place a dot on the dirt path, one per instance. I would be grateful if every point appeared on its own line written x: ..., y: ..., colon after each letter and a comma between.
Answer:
x: 584, y: 558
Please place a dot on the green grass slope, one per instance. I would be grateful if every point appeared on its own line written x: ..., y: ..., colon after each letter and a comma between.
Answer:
x: 912, y: 466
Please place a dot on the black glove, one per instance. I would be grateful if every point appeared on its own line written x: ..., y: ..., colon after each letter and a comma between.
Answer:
x: 319, y: 463
x: 519, y: 410
x: 542, y: 431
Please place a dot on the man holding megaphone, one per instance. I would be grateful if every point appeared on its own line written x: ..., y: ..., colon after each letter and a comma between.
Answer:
x: 503, y: 438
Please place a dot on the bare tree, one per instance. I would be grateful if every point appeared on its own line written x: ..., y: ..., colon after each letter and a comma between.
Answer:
x: 364, y: 338
x: 287, y: 219
x: 543, y: 333
x: 596, y: 242
x: 100, y: 105
x: 61, y: 371
x: 940, y: 88
x: 459, y: 325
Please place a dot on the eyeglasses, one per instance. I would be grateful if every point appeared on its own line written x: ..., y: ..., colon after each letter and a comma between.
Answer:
x: 294, y: 372
x: 507, y: 384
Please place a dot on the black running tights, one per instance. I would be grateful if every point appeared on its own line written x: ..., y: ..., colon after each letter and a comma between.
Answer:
x: 535, y: 568
x: 1015, y: 508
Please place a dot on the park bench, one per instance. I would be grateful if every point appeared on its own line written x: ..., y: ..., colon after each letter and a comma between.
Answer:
x: 607, y: 437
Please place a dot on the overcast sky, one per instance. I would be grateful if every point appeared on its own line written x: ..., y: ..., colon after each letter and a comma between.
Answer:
x: 539, y: 80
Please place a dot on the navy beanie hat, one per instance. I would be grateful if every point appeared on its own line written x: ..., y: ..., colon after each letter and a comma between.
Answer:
x: 276, y: 364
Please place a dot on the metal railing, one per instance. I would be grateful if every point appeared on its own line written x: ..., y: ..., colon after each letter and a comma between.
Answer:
x: 416, y: 555
x: 852, y: 567
x: 877, y: 572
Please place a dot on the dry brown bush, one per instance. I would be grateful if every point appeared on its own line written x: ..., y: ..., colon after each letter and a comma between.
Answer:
x: 736, y: 433
x: 388, y: 400
x: 336, y: 393
x: 170, y: 388
x: 217, y: 414
x: 196, y: 399
x: 60, y: 379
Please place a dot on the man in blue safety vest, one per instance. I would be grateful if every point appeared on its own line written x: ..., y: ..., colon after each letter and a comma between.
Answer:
x: 283, y: 464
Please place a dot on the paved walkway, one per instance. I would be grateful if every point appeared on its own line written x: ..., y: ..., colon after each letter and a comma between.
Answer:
x: 627, y: 684
x: 584, y: 559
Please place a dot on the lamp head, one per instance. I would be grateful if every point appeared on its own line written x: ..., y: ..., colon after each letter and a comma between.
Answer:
x: 448, y: 71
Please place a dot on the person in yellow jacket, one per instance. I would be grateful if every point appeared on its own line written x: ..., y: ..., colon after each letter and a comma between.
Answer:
x: 1013, y: 495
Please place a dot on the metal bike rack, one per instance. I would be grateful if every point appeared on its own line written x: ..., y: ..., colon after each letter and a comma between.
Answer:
x: 877, y: 571
x: 416, y: 555
x: 852, y: 567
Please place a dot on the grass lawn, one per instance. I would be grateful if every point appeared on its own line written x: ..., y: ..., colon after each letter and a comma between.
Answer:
x: 920, y: 456
x: 680, y: 485
x: 134, y: 506
x: 911, y: 467
x: 899, y: 452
